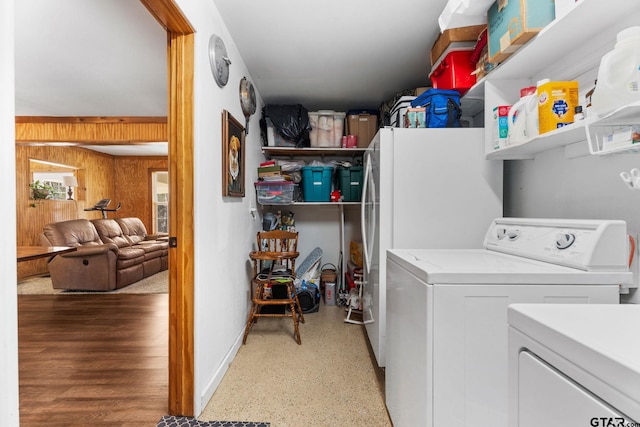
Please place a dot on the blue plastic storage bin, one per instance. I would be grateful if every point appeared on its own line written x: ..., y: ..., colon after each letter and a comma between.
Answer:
x: 316, y: 183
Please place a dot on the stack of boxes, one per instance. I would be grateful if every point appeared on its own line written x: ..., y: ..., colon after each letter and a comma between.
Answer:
x: 272, y: 187
x: 451, y: 58
x: 269, y: 169
x: 327, y: 131
x: 462, y: 55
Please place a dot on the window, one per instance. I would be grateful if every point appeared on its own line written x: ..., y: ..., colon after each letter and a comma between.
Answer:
x: 55, y: 181
x: 160, y: 201
x: 53, y: 175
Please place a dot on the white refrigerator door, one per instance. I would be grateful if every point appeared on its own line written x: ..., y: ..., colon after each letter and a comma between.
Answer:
x: 370, y: 223
x: 434, y: 189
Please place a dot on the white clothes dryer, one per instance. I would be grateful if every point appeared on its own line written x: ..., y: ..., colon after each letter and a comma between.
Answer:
x: 574, y: 365
x: 447, y: 325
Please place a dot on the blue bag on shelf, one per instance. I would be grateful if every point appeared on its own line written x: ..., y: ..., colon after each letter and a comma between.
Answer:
x: 442, y: 108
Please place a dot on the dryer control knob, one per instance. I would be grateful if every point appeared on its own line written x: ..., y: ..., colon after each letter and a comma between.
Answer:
x: 564, y: 240
x: 500, y: 233
x: 513, y: 234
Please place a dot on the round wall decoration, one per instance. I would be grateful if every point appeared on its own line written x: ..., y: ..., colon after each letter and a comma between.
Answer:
x: 219, y: 60
x: 247, y: 100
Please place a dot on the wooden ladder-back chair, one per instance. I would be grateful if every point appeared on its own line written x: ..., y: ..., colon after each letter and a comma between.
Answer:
x: 273, y: 267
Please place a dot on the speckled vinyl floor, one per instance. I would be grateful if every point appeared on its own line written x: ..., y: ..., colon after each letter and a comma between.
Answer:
x: 329, y: 380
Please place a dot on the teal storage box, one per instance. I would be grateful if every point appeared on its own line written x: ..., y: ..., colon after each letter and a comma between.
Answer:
x: 316, y: 183
x: 350, y: 182
x: 512, y: 23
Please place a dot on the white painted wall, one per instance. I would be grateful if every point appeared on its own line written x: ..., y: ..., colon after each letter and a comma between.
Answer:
x: 224, y: 227
x: 8, y: 296
x: 554, y: 186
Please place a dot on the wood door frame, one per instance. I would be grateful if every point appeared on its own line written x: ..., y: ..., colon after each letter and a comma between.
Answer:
x: 180, y: 49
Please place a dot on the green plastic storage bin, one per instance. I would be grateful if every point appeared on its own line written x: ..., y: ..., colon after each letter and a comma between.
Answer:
x: 350, y: 183
x: 316, y: 183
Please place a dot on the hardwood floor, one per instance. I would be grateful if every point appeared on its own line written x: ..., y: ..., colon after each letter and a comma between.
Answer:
x: 93, y: 360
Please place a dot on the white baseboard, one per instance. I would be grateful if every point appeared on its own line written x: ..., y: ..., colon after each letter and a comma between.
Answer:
x: 215, y: 381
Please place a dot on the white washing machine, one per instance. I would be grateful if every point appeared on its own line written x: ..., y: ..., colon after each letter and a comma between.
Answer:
x: 574, y: 365
x: 447, y: 325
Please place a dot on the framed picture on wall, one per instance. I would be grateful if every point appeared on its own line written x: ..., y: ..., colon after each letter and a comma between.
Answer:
x: 232, y: 156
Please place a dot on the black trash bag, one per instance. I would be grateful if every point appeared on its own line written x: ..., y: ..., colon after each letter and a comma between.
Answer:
x: 290, y: 121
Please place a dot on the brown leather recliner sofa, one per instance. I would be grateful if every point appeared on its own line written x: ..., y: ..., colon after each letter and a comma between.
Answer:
x: 111, y: 253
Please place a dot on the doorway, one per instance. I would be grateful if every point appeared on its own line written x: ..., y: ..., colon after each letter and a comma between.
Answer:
x: 180, y: 37
x: 179, y: 132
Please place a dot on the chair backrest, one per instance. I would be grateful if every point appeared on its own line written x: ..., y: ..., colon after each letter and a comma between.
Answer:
x: 279, y: 241
x: 133, y: 229
x: 74, y: 232
x: 110, y: 232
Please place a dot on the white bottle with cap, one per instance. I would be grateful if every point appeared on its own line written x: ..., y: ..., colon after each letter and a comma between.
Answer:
x: 523, y: 117
x: 618, y: 81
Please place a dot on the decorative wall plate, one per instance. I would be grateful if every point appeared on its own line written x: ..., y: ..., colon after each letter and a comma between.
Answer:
x: 219, y: 60
x: 247, y: 100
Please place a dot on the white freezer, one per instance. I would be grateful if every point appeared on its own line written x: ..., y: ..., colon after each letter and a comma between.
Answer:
x: 423, y: 188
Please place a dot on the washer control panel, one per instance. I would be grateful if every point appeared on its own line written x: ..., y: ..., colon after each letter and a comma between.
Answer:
x: 584, y: 244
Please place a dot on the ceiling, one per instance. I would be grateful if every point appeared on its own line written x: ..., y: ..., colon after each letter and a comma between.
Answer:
x: 108, y: 58
x: 333, y: 54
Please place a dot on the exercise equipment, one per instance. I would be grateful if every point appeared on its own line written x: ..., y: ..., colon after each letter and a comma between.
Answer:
x: 102, y: 207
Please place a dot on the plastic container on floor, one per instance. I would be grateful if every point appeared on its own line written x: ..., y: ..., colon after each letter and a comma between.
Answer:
x: 330, y: 294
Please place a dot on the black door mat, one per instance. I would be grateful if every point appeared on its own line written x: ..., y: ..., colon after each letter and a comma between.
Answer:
x: 174, y: 421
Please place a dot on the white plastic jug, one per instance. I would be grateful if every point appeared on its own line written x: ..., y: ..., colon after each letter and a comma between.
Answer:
x: 619, y: 74
x: 523, y: 117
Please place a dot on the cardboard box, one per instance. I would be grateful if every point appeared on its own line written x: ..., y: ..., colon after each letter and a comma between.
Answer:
x: 463, y: 37
x: 268, y: 171
x: 420, y: 90
x: 512, y: 23
x: 556, y: 104
x: 363, y: 125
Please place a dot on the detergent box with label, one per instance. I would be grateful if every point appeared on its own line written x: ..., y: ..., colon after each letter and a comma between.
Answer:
x: 512, y: 23
x: 500, y: 126
x: 556, y: 104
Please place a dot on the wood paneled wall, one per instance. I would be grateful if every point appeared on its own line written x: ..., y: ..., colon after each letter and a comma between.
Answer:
x: 99, y: 176
x: 133, y: 186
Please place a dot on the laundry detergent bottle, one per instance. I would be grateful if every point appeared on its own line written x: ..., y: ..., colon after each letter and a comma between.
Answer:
x: 523, y: 117
x: 618, y: 81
